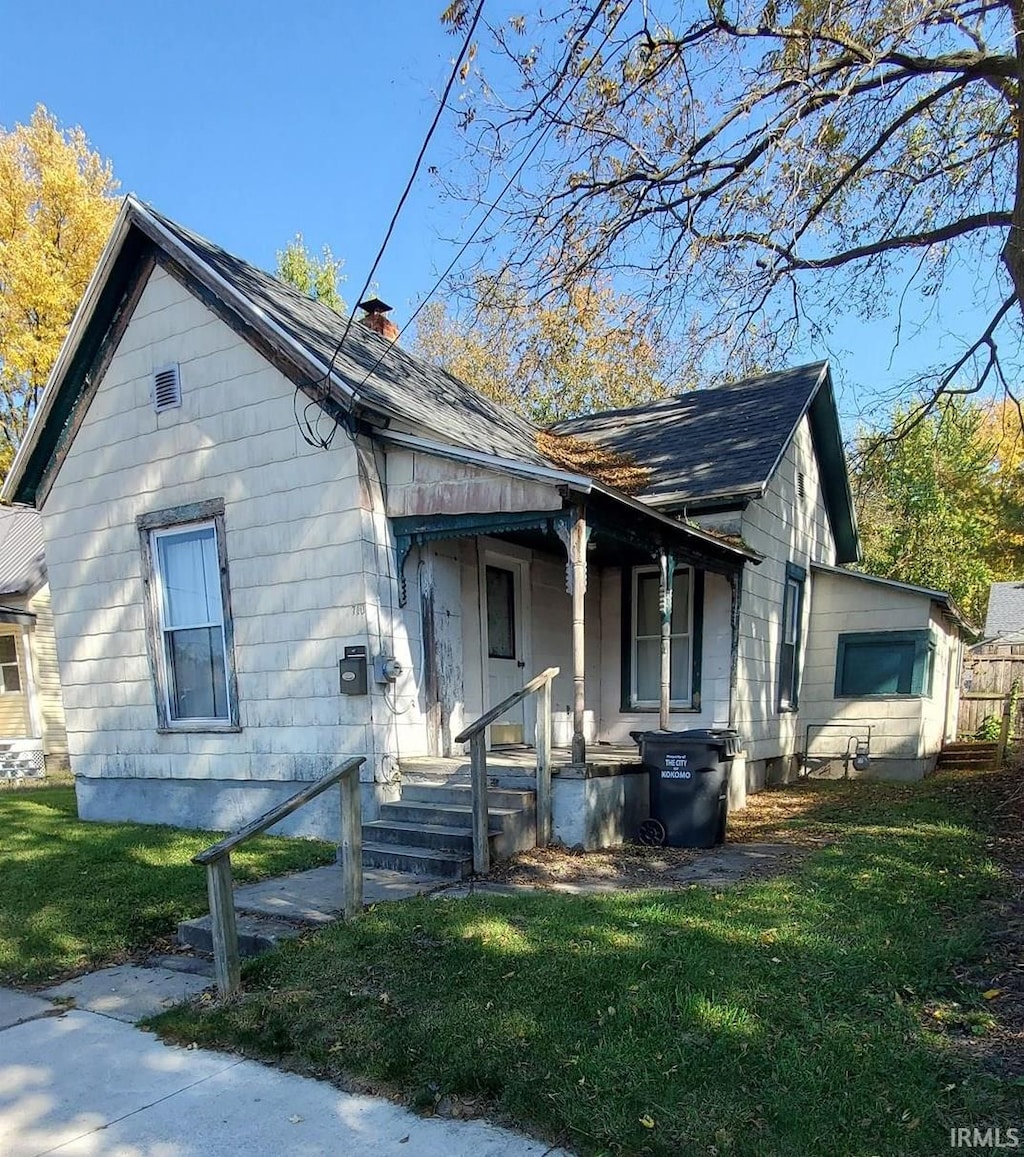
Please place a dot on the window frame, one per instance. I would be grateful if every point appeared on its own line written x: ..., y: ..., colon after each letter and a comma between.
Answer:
x: 787, y: 700
x: 16, y: 664
x: 922, y: 672
x: 695, y: 620
x: 151, y: 527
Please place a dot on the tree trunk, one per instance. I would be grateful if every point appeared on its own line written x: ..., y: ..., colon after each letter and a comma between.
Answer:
x: 1013, y: 250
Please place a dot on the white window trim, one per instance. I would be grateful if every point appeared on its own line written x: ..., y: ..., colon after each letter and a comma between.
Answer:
x: 158, y: 579
x: 634, y: 699
x: 151, y: 525
x: 17, y: 663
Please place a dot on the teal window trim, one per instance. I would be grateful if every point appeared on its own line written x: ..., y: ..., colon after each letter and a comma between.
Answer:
x: 626, y: 702
x: 791, y: 637
x: 918, y: 647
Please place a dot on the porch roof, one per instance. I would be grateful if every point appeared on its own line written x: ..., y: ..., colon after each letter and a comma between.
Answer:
x: 615, y: 532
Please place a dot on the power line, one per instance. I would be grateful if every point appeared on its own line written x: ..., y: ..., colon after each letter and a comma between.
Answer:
x: 310, y: 434
x: 494, y: 204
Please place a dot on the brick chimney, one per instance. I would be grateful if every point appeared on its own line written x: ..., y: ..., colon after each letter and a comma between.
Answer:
x: 376, y: 318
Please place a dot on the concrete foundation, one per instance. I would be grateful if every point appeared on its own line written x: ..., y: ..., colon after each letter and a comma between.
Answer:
x: 599, y: 811
x: 218, y: 805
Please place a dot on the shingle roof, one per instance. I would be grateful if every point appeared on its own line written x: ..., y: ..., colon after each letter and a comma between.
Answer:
x: 22, y: 567
x: 1005, y: 614
x: 401, y: 386
x: 708, y: 443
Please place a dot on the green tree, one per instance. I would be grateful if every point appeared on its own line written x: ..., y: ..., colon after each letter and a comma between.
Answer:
x: 585, y: 349
x: 937, y: 508
x: 57, y: 205
x: 759, y: 169
x: 317, y: 277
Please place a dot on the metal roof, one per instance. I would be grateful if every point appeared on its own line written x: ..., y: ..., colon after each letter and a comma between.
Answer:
x: 22, y: 566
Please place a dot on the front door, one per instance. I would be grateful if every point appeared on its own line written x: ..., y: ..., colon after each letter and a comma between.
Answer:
x: 503, y: 613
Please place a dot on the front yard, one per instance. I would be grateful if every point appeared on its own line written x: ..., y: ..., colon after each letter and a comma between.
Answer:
x: 856, y: 1004
x: 79, y: 895
x: 862, y: 1000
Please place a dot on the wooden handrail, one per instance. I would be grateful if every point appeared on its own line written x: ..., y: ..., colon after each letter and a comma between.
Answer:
x: 217, y: 861
x: 474, y: 735
x: 489, y: 717
x: 276, y: 814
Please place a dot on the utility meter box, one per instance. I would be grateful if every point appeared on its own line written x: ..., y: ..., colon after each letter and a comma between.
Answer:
x: 352, y: 671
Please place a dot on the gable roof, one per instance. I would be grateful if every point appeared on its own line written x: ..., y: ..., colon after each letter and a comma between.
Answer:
x: 22, y: 566
x: 405, y: 399
x: 1005, y: 615
x: 380, y: 377
x: 720, y: 447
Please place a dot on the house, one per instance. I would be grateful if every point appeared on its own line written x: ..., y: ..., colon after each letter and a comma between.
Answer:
x: 993, y: 667
x: 276, y: 539
x: 1004, y: 618
x: 32, y: 733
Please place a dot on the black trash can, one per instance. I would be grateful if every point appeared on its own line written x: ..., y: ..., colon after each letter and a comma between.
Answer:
x: 689, y: 781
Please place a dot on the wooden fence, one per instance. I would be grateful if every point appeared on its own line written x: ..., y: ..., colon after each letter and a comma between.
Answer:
x: 985, y: 682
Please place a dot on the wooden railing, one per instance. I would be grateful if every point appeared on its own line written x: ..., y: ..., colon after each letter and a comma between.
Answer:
x: 475, y: 736
x: 217, y: 861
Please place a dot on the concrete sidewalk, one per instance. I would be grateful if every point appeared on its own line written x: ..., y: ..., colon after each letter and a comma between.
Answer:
x: 81, y: 1084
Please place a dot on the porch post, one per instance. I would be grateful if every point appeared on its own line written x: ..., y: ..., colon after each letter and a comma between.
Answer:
x: 736, y: 593
x: 666, y: 572
x: 575, y: 535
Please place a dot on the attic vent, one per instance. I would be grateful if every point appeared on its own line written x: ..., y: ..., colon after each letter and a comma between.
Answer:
x: 166, y: 388
x: 801, y: 485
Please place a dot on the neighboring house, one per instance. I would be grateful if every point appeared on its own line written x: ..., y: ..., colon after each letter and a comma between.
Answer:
x: 994, y: 666
x: 240, y: 508
x: 1004, y: 619
x: 32, y: 734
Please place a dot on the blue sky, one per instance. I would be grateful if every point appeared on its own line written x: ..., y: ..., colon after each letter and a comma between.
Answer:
x: 251, y: 121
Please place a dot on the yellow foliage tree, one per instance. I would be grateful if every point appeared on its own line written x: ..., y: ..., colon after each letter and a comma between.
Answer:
x: 56, y: 209
x: 588, y: 348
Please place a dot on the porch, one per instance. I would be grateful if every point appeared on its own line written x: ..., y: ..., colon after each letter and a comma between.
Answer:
x: 638, y: 611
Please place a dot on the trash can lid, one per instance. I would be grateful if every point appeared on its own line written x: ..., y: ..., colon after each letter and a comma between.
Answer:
x: 724, y: 737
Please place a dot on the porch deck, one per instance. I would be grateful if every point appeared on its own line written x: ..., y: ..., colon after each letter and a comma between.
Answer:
x: 519, y: 762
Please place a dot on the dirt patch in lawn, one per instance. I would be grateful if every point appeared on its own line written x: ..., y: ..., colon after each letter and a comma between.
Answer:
x: 760, y: 842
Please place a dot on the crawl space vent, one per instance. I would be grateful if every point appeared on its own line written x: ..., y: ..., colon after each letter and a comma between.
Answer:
x: 166, y: 388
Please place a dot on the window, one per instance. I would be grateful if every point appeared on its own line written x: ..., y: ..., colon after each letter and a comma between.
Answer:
x: 10, y: 673
x: 884, y: 663
x: 642, y: 638
x: 189, y: 617
x: 501, y: 613
x: 792, y: 628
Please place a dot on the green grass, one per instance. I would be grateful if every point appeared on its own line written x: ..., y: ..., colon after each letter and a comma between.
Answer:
x: 75, y: 895
x: 787, y: 1016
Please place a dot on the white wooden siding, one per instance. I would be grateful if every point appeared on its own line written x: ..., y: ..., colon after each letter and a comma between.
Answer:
x: 419, y: 483
x: 616, y: 724
x: 783, y: 528
x: 303, y: 526
x: 47, y: 674
x: 904, y: 726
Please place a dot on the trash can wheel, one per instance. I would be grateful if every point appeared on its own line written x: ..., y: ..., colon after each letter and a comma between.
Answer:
x: 652, y: 834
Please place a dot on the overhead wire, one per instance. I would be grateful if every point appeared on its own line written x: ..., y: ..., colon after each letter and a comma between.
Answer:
x: 311, y: 433
x: 494, y: 204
